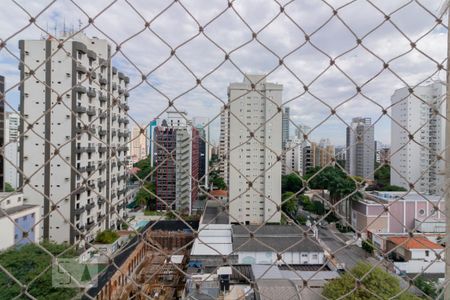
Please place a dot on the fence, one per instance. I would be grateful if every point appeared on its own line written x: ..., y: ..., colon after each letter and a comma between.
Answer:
x: 249, y: 209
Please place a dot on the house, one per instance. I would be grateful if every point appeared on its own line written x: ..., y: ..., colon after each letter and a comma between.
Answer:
x: 398, y: 212
x: 18, y: 221
x: 415, y: 254
x: 221, y: 195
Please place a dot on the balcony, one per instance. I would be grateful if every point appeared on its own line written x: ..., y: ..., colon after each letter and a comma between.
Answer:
x: 113, y: 132
x: 91, y: 54
x: 91, y: 93
x: 101, y: 184
x: 102, y: 149
x: 80, y: 210
x: 100, y: 217
x: 90, y: 168
x: 127, y: 80
x: 80, y: 68
x: 114, y: 70
x: 102, y: 115
x: 121, y: 76
x: 90, y: 206
x: 113, y: 118
x: 101, y: 200
x: 126, y: 94
x: 90, y: 149
x: 102, y: 98
x: 102, y: 132
x: 80, y: 109
x: 79, y: 89
x: 102, y: 81
x: 80, y: 149
x: 89, y: 225
x: 114, y: 86
x: 121, y: 91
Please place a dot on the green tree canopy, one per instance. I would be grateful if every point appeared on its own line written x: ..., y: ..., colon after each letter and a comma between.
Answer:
x: 106, y: 237
x: 144, y: 170
x: 375, y: 284
x: 291, y: 183
x: 8, y: 187
x: 145, y: 195
x: 26, y: 264
x: 290, y: 203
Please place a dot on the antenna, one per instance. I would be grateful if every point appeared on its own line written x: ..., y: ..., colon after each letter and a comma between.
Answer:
x: 79, y: 24
x: 64, y: 26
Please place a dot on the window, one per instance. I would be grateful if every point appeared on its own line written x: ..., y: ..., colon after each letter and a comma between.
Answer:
x: 427, y: 253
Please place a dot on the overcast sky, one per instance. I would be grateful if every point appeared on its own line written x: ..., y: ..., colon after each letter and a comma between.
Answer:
x: 144, y: 52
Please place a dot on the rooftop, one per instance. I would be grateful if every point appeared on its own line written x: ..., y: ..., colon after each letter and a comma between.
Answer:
x: 396, y: 196
x: 418, y: 242
x: 214, y: 214
x: 274, y: 238
x: 219, y: 193
x: 16, y: 209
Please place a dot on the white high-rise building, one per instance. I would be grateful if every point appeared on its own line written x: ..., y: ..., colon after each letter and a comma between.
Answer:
x: 11, y: 161
x: 138, y: 144
x: 223, y: 144
x: 255, y: 150
x: 415, y: 162
x: 74, y: 158
x: 294, y: 156
x: 360, y: 157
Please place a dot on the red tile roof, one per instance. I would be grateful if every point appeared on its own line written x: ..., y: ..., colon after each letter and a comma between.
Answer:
x: 219, y: 193
x: 417, y: 242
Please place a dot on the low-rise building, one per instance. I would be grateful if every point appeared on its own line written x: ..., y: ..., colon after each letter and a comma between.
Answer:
x: 397, y: 212
x: 283, y: 244
x: 221, y: 195
x: 415, y: 254
x: 17, y: 221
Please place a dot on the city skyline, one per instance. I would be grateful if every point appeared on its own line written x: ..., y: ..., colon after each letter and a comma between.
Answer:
x: 173, y: 78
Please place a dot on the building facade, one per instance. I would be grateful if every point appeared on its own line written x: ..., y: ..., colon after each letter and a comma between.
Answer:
x: 418, y: 116
x: 2, y: 127
x: 294, y: 156
x: 80, y: 167
x: 204, y: 150
x: 11, y: 161
x: 360, y: 158
x: 317, y: 155
x: 18, y: 221
x: 255, y: 149
x: 405, y: 212
x: 285, y: 123
x: 176, y: 164
x: 223, y: 143
x: 138, y: 144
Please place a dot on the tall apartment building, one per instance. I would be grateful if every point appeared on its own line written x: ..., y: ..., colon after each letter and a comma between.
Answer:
x: 255, y: 124
x: 285, y: 123
x: 74, y: 158
x: 317, y: 154
x: 416, y: 161
x: 138, y: 144
x: 202, y: 125
x: 11, y: 161
x: 301, y: 130
x: 223, y: 144
x: 176, y: 163
x: 151, y: 144
x: 2, y: 126
x: 360, y: 148
x: 294, y: 156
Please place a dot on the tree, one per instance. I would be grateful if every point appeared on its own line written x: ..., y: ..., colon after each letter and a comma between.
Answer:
x: 427, y: 286
x: 375, y: 284
x: 383, y: 175
x: 290, y: 203
x: 145, y: 195
x: 218, y: 182
x: 144, y: 170
x: 106, y: 237
x: 291, y: 183
x: 8, y: 187
x: 26, y: 264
